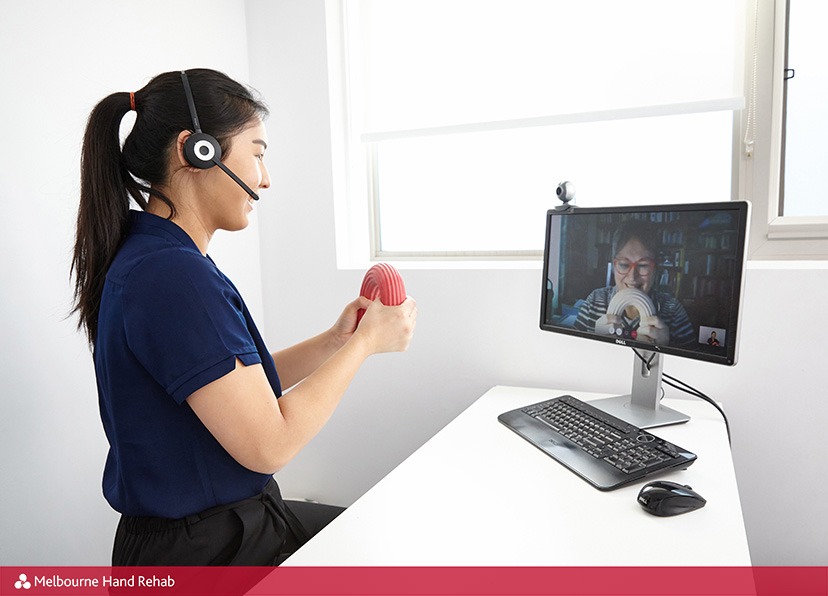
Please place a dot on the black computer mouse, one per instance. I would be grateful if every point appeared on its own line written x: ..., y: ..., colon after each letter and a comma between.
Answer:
x: 665, y: 498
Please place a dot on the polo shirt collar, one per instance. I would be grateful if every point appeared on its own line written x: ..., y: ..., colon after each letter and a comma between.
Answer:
x: 143, y: 222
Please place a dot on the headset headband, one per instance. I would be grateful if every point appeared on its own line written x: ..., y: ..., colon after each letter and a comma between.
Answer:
x: 190, y: 101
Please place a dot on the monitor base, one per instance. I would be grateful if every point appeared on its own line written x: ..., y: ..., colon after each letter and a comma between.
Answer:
x: 642, y: 417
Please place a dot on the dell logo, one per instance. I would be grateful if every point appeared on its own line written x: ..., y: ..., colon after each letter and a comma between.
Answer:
x: 621, y: 342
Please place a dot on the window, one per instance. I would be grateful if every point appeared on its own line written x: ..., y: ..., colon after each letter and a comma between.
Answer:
x: 804, y: 172
x: 456, y: 119
x: 785, y: 174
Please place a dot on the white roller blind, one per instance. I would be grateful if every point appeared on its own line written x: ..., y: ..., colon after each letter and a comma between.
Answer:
x: 432, y: 63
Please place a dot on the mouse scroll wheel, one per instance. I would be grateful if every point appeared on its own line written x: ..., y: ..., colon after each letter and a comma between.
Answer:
x: 645, y: 438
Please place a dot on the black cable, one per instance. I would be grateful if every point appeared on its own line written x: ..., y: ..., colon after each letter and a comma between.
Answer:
x: 689, y: 389
x: 695, y: 392
x: 646, y: 362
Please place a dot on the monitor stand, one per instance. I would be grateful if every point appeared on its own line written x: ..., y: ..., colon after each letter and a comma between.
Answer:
x: 643, y: 408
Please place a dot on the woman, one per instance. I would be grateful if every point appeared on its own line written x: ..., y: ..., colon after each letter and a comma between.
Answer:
x: 634, y: 269
x: 187, y: 388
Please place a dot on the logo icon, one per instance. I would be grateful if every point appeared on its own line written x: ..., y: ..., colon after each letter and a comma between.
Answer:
x: 23, y: 582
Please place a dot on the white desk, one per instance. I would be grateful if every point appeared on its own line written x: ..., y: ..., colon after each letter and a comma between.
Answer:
x: 477, y: 494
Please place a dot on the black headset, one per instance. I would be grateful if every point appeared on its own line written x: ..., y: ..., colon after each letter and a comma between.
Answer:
x: 202, y: 150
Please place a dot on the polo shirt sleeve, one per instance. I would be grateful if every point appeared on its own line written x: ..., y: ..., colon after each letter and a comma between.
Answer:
x: 184, y: 322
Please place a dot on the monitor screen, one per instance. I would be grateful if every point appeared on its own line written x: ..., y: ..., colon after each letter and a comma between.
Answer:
x: 662, y: 278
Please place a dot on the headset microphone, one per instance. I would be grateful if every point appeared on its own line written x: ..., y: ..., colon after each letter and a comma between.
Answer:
x: 202, y: 150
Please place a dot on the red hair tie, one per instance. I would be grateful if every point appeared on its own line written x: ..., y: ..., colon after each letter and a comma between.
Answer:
x: 132, y: 101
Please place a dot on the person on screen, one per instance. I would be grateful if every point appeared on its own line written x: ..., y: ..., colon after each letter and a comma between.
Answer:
x: 634, y: 266
x: 713, y: 340
x: 190, y: 397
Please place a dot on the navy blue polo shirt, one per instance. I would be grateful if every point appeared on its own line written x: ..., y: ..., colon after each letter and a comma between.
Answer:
x: 170, y: 323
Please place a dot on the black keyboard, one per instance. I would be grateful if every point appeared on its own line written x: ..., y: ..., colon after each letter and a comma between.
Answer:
x: 602, y: 449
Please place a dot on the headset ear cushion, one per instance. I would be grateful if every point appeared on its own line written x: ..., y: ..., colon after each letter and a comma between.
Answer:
x: 201, y: 150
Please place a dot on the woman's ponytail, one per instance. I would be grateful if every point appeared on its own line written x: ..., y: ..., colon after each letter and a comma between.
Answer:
x: 104, y: 206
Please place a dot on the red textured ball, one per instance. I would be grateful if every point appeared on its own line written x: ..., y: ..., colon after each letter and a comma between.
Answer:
x: 384, y: 282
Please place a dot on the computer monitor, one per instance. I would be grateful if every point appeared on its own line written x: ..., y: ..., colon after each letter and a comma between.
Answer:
x: 664, y: 280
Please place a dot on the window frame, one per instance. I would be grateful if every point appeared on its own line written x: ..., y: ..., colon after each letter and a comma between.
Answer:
x: 772, y: 236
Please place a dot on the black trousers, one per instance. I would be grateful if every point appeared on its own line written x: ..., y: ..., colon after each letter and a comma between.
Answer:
x: 261, y: 530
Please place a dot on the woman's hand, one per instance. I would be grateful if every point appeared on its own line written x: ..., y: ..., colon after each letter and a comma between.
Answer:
x: 346, y: 324
x: 386, y: 328
x: 654, y: 331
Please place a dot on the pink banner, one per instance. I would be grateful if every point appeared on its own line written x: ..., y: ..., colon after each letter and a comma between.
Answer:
x: 410, y: 581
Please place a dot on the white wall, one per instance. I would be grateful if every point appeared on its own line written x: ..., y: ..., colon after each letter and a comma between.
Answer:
x: 476, y: 328
x: 479, y: 328
x: 57, y: 59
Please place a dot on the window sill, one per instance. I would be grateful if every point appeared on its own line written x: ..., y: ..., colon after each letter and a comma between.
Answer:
x: 447, y: 263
